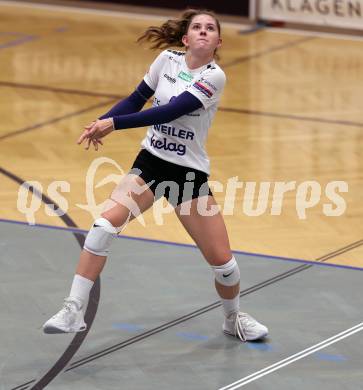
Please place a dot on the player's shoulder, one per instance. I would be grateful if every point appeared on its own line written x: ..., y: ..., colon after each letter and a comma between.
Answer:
x: 171, y: 56
x: 214, y: 71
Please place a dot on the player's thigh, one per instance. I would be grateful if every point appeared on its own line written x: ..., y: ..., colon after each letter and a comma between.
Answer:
x: 208, y: 231
x: 130, y: 198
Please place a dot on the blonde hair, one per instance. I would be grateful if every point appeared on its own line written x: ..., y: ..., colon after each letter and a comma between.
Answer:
x: 170, y: 33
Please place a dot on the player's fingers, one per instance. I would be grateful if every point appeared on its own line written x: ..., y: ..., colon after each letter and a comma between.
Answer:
x: 82, y: 137
x: 95, y: 144
x: 88, y: 143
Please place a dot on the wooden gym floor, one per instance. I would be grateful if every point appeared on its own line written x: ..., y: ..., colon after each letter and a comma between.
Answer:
x: 291, y: 112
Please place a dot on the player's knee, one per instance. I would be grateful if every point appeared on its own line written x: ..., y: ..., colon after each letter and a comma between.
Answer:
x: 227, y: 274
x: 99, y: 238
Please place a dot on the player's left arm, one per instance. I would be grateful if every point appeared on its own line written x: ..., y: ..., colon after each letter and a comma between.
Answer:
x: 181, y: 105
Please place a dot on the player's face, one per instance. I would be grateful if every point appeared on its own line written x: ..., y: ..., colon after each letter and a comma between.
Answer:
x: 202, y: 34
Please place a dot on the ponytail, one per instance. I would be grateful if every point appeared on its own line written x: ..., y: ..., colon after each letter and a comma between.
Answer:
x: 170, y: 33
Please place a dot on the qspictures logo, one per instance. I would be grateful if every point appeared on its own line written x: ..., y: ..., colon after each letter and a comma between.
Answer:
x: 252, y: 199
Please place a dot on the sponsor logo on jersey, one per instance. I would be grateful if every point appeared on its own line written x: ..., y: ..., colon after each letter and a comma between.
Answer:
x: 202, y: 88
x: 170, y: 79
x: 185, y: 76
x: 174, y: 132
x: 207, y: 82
x: 169, y: 146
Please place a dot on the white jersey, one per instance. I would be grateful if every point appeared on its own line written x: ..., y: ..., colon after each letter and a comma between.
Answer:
x: 182, y: 141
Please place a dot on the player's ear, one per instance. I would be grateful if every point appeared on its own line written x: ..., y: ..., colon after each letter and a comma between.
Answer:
x: 219, y: 43
x: 185, y: 40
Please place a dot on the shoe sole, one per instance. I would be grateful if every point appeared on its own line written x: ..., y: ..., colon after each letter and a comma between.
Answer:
x: 233, y: 335
x: 54, y: 330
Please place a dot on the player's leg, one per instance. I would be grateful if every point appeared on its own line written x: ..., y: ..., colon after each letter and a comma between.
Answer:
x: 210, y: 234
x: 123, y: 206
x: 129, y: 199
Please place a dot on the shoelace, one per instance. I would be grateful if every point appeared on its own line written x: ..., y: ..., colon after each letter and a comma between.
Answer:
x: 67, y: 308
x: 242, y: 321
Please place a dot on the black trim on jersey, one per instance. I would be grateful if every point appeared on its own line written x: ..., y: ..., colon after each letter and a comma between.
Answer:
x: 178, y: 53
x: 182, y: 53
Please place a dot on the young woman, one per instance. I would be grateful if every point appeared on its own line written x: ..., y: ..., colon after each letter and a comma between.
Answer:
x: 187, y: 86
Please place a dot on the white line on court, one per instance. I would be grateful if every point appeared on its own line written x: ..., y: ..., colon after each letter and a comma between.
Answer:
x: 291, y: 359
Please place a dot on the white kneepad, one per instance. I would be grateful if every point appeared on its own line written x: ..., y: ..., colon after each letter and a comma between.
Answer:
x: 227, y: 274
x: 99, y: 238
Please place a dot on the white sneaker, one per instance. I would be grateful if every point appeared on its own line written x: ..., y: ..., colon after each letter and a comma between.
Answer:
x: 243, y: 326
x: 68, y: 320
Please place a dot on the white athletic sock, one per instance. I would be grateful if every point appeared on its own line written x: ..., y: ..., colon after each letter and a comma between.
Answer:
x: 80, y: 289
x: 230, y: 306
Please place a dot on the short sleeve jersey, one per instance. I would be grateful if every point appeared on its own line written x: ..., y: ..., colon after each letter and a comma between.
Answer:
x: 182, y: 141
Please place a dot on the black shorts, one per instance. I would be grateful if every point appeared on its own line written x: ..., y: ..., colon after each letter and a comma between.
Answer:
x: 177, y: 183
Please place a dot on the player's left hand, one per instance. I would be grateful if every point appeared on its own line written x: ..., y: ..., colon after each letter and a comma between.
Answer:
x: 95, y: 131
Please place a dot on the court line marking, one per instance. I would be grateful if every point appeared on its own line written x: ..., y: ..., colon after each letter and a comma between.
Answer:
x: 54, y: 120
x: 19, y: 41
x: 293, y: 358
x: 292, y: 117
x: 317, y: 261
x: 59, y: 90
x: 272, y: 49
x: 320, y: 34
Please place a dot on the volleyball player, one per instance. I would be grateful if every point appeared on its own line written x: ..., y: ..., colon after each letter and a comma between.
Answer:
x: 187, y: 86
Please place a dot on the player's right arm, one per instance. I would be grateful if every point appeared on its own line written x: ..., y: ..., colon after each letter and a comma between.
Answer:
x: 133, y: 103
